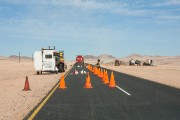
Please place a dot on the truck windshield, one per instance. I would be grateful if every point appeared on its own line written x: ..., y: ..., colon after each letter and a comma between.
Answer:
x: 48, y: 56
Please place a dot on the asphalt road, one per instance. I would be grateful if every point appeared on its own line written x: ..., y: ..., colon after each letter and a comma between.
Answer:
x: 148, y: 100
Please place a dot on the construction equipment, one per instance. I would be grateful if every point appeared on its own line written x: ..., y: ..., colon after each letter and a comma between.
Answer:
x: 133, y: 62
x: 60, y: 61
x: 117, y: 63
x: 148, y: 63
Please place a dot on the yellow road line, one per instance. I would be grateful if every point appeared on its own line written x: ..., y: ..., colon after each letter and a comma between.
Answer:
x: 46, y: 99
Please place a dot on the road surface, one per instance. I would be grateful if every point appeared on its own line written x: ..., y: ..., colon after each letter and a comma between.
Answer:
x: 132, y: 99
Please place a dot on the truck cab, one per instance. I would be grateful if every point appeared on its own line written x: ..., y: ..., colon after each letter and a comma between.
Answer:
x: 60, y: 61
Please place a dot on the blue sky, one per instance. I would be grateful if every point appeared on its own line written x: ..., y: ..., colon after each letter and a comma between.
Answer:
x: 116, y: 27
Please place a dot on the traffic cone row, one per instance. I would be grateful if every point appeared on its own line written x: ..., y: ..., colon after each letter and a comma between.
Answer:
x: 103, y: 74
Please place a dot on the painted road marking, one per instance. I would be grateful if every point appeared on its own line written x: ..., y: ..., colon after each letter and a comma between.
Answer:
x: 46, y: 99
x: 123, y: 90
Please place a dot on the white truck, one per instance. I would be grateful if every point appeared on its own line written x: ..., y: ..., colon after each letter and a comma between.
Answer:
x: 45, y: 61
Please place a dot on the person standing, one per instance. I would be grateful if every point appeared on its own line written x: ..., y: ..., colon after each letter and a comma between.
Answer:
x: 98, y: 63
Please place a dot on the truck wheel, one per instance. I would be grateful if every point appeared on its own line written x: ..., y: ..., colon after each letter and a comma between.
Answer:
x: 60, y: 69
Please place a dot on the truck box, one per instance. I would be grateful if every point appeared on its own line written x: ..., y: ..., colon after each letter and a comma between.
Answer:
x: 45, y: 61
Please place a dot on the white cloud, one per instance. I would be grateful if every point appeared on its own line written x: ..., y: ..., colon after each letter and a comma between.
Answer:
x: 109, y: 6
x: 116, y: 7
x: 87, y: 4
x: 170, y: 17
x: 169, y: 3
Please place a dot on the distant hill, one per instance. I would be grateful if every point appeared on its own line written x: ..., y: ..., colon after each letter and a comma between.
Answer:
x: 17, y: 57
x: 134, y: 56
x: 106, y: 56
x: 103, y: 56
x: 90, y: 57
x: 3, y: 57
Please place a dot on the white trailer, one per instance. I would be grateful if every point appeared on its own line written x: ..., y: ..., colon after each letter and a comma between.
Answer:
x: 45, y: 61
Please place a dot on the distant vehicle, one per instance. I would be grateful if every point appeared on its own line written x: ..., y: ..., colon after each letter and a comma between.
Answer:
x: 80, y: 61
x: 48, y: 60
x: 79, y: 58
x: 148, y: 63
x: 117, y: 63
x: 133, y: 62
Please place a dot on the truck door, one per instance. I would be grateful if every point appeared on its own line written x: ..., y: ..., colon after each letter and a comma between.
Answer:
x: 48, y: 61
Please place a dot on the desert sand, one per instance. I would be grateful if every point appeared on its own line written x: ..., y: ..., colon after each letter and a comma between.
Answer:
x: 165, y: 69
x: 15, y: 103
x: 168, y: 75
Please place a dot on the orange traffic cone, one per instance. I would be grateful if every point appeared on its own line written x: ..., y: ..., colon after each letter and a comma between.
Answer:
x: 91, y: 68
x: 62, y: 84
x: 95, y: 71
x: 101, y: 74
x: 106, y: 78
x: 26, y: 85
x: 88, y: 82
x: 112, y: 82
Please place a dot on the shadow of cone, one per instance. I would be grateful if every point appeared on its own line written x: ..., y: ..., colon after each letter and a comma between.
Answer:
x: 112, y: 82
x: 26, y: 85
x: 106, y: 81
x: 62, y: 84
x: 88, y: 82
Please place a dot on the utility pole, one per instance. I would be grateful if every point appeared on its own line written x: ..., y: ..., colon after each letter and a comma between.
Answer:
x: 32, y: 57
x: 19, y: 57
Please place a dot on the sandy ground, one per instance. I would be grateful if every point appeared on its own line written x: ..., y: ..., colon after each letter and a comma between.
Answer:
x: 15, y: 103
x: 165, y: 72
x: 168, y: 75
